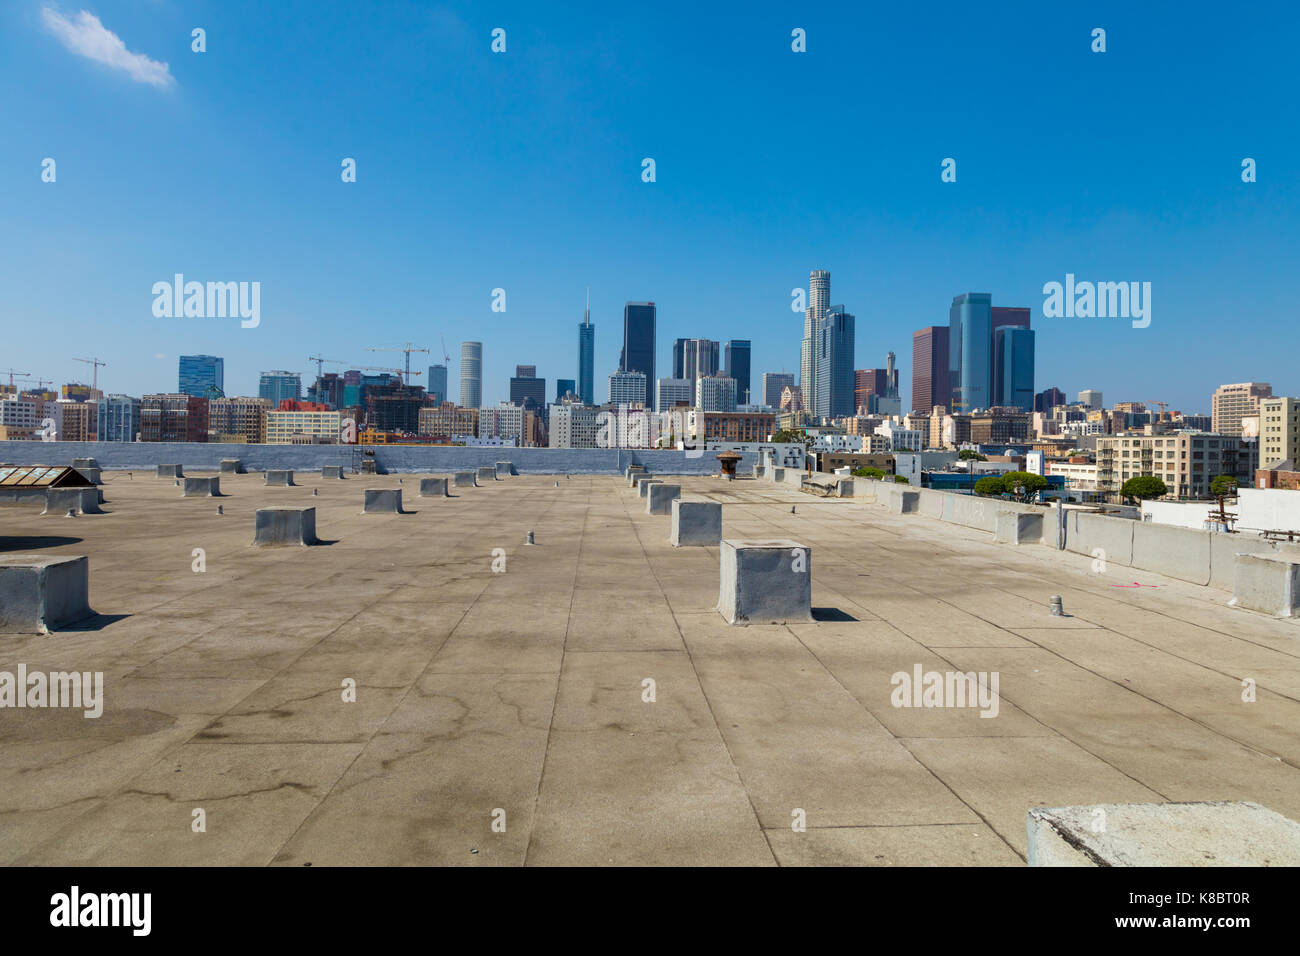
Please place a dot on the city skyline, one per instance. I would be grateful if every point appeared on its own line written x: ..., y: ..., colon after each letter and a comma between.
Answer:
x: 718, y: 240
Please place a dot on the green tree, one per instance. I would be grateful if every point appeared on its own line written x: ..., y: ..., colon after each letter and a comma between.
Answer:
x: 868, y: 472
x: 1027, y: 480
x: 990, y: 485
x: 1223, y: 486
x: 967, y: 455
x: 901, y: 480
x: 1144, y: 486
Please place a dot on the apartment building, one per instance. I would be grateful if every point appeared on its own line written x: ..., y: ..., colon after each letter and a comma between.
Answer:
x: 1185, y: 461
x: 244, y: 417
x: 173, y: 417
x: 1279, y: 430
x: 574, y: 426
x: 1231, y: 403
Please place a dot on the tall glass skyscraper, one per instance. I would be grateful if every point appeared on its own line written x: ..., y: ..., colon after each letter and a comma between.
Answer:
x: 471, y: 374
x: 819, y: 297
x: 1013, y: 348
x: 203, y: 376
x: 638, y: 339
x: 436, y: 386
x: 736, y: 365
x: 970, y: 343
x: 833, y: 364
x: 587, y: 357
x: 930, y: 369
x: 279, y: 385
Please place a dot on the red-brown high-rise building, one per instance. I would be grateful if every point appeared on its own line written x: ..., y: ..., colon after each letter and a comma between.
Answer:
x: 930, y: 369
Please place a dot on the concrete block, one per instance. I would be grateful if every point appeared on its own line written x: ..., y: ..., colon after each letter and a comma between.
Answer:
x: 169, y: 471
x: 505, y: 469
x: 463, y: 479
x: 904, y: 502
x: 433, y: 487
x: 331, y: 471
x: 91, y: 474
x: 85, y: 463
x: 695, y: 523
x: 1182, y: 553
x: 41, y: 593
x: 778, y: 475
x: 280, y: 479
x: 1018, y: 527
x: 637, y: 477
x: 232, y: 466
x: 201, y: 488
x: 659, y: 498
x: 487, y: 473
x: 284, y: 526
x: 845, y: 488
x: 1162, y: 834
x: 642, y: 487
x: 383, y: 501
x: 764, y: 581
x: 84, y: 501
x: 1267, y: 582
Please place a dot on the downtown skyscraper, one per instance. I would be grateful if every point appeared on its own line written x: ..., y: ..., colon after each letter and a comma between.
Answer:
x: 638, y: 353
x: 819, y: 298
x: 990, y: 355
x: 587, y: 356
x: 471, y: 374
x: 736, y: 365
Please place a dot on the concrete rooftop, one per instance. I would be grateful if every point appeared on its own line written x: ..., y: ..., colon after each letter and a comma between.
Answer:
x: 523, y: 690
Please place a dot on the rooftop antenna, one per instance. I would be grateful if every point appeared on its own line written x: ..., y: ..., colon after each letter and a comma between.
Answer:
x: 586, y: 314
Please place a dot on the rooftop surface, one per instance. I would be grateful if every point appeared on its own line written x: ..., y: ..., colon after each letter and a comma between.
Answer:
x: 479, y: 692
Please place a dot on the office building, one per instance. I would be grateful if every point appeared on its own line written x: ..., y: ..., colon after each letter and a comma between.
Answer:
x: 1279, y: 430
x: 627, y: 388
x: 447, y: 419
x: 1013, y: 351
x: 526, y: 389
x: 574, y: 426
x: 278, y: 386
x: 471, y: 374
x: 670, y: 392
x: 970, y: 345
x: 203, y: 376
x: 587, y: 357
x: 1091, y: 399
x: 294, y: 427
x: 1048, y: 399
x: 930, y: 369
x: 638, y: 353
x: 118, y: 418
x: 833, y: 366
x: 774, y: 384
x: 436, y: 386
x: 173, y: 417
x: 715, y: 393
x: 1231, y: 403
x: 736, y: 365
x: 999, y: 425
x: 694, y: 358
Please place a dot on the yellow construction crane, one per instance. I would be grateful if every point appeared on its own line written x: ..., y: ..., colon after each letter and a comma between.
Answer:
x: 1163, y: 406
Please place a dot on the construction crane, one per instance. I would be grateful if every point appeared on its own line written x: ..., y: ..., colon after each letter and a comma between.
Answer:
x: 1163, y: 406
x: 394, y: 371
x: 96, y: 363
x: 408, y: 350
x: 13, y: 372
x: 320, y: 363
x: 446, y: 359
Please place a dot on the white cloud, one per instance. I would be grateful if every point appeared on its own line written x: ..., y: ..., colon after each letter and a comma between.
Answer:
x: 86, y: 36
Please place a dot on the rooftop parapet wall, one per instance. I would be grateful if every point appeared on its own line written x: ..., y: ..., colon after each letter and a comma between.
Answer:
x: 1187, y: 554
x: 391, y: 459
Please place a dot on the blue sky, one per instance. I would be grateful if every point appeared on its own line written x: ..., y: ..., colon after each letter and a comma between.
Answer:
x: 522, y: 171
